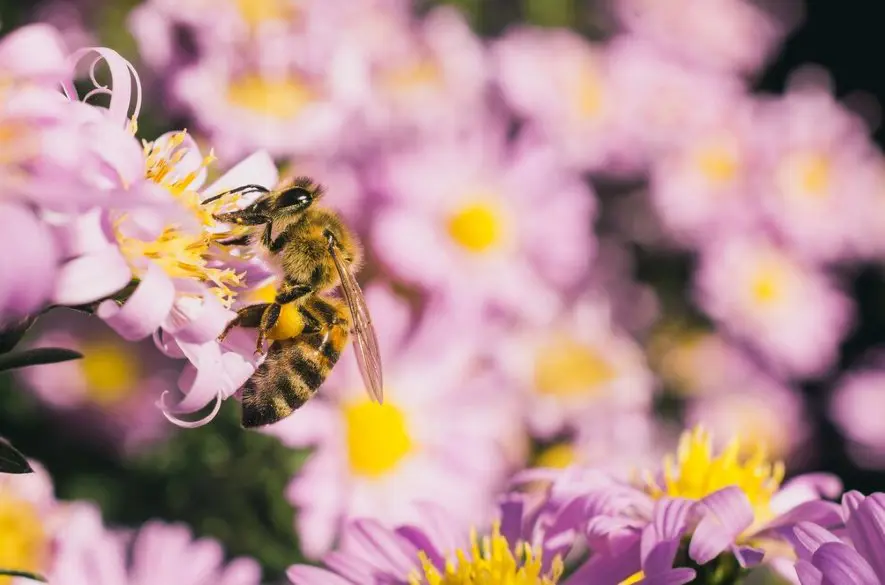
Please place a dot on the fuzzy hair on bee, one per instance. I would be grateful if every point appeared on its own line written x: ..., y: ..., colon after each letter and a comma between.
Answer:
x: 312, y: 251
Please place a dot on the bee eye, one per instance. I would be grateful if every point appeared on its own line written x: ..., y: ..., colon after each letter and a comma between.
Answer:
x: 297, y: 197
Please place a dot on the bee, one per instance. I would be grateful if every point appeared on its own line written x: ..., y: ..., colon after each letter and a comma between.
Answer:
x: 313, y: 251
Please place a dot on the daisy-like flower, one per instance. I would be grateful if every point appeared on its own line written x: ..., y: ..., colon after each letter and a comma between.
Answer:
x: 494, y: 226
x: 704, y: 181
x: 728, y: 35
x: 578, y: 371
x: 720, y: 502
x: 852, y: 556
x: 163, y: 245
x: 822, y: 171
x: 853, y: 409
x: 564, y: 86
x: 155, y: 554
x: 783, y: 308
x: 376, y: 461
x: 109, y: 394
x: 435, y: 551
x: 38, y: 531
x: 428, y: 77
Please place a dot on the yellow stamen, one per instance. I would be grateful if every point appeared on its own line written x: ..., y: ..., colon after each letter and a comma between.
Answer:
x: 110, y: 371
x: 588, y: 94
x: 695, y: 472
x: 181, y: 253
x: 489, y: 562
x: 24, y: 545
x: 476, y: 227
x: 378, y: 437
x: 769, y: 281
x: 276, y: 98
x: 567, y: 368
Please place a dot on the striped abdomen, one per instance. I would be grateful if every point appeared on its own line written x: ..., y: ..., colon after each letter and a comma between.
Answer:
x: 295, y: 368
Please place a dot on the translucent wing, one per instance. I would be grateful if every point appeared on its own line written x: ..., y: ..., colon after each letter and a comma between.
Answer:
x: 365, y: 343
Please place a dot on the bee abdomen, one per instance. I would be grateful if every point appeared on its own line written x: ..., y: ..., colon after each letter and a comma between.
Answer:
x: 291, y: 374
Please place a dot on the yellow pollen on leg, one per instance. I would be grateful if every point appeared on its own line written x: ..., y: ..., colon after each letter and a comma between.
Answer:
x: 565, y: 367
x: 290, y: 322
x: 378, y: 438
x: 490, y: 561
x: 110, y: 371
x: 476, y: 227
x: 24, y: 544
x: 181, y: 253
x: 283, y: 98
x: 695, y: 472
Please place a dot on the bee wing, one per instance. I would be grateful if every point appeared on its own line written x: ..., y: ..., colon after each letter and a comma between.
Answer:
x: 364, y: 340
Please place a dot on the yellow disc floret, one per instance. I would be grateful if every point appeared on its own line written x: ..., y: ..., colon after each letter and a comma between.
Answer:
x: 490, y: 562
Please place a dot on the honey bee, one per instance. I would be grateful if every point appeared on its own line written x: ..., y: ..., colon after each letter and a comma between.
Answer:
x: 314, y: 252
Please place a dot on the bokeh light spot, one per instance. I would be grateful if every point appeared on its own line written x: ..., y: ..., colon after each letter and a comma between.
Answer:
x: 377, y: 437
x: 23, y: 542
x: 110, y: 370
x: 566, y: 368
x: 476, y: 227
x: 276, y: 98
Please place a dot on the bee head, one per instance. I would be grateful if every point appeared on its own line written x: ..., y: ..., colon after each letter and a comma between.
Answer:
x: 298, y: 196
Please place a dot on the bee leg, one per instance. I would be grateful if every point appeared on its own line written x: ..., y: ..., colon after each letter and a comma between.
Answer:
x: 242, y: 217
x: 268, y: 319
x: 242, y: 190
x: 243, y: 240
x: 246, y: 317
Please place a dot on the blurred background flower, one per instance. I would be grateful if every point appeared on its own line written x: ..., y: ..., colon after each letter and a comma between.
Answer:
x: 586, y: 226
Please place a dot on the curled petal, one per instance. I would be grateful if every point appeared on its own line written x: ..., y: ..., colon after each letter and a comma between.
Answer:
x: 34, y: 52
x: 210, y: 372
x: 167, y: 412
x: 145, y: 310
x: 661, y: 538
x: 807, y: 537
x: 866, y: 526
x: 91, y: 277
x: 842, y: 565
x: 724, y: 515
x: 122, y: 76
x: 810, y: 486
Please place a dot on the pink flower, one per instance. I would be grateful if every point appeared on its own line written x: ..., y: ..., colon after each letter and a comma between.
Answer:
x: 565, y: 87
x: 486, y: 224
x: 579, y: 370
x: 109, y: 395
x: 822, y: 174
x: 783, y: 308
x: 155, y: 554
x: 853, y: 405
x: 443, y: 434
x: 727, y: 35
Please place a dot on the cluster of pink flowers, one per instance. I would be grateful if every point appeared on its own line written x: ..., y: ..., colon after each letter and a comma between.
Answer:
x: 512, y: 329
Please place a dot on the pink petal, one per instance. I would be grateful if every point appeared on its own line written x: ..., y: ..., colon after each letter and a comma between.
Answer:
x: 145, y: 310
x: 35, y: 51
x: 724, y: 515
x: 307, y: 575
x: 91, y: 277
x: 203, y: 324
x: 82, y: 234
x: 256, y: 169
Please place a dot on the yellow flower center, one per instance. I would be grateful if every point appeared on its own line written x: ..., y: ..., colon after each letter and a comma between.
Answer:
x: 23, y: 542
x: 588, y: 94
x: 276, y: 98
x: 567, y: 368
x: 290, y: 323
x: 420, y: 75
x: 257, y: 12
x: 695, y: 472
x: 769, y: 281
x: 807, y: 174
x: 489, y: 562
x: 181, y: 253
x: 476, y: 227
x: 718, y: 164
x: 557, y: 456
x: 378, y: 438
x: 110, y: 372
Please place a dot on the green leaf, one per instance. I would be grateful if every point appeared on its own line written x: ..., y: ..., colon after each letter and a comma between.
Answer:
x: 11, y: 461
x: 13, y: 333
x: 37, y: 356
x: 24, y: 574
